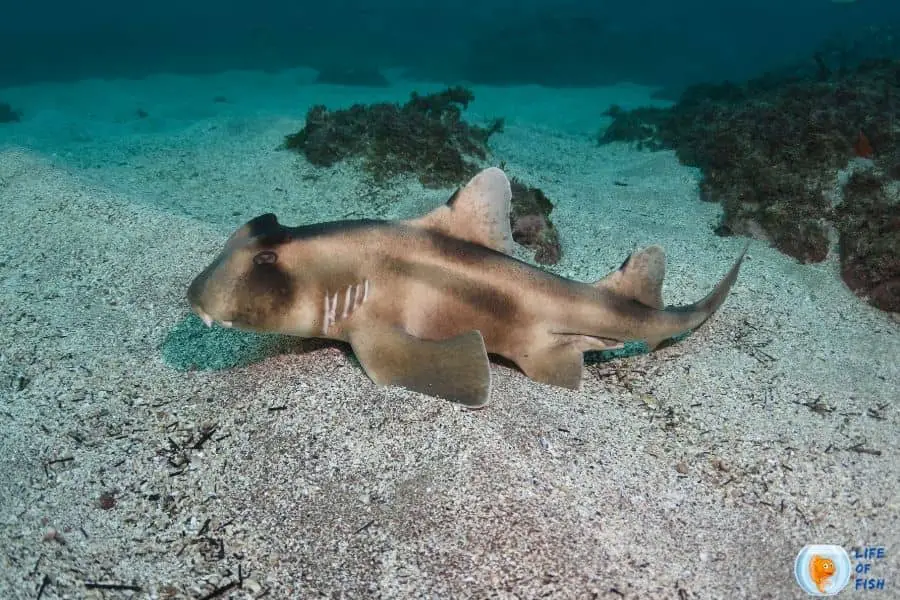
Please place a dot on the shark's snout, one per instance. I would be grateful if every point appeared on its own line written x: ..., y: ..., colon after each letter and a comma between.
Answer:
x: 195, y: 297
x: 195, y: 292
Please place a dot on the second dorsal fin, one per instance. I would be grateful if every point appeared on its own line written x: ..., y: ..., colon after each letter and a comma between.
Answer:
x: 640, y: 277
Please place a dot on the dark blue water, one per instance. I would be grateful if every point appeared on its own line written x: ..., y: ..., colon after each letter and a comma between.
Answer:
x: 495, y: 41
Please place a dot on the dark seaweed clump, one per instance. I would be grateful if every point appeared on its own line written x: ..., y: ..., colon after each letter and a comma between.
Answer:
x: 426, y: 136
x: 869, y: 232
x: 531, y: 224
x: 8, y: 115
x: 769, y: 150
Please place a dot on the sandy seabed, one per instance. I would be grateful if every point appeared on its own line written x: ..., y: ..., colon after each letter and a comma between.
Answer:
x: 277, y: 468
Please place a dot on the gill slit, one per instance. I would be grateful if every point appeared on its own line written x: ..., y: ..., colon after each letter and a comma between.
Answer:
x: 354, y: 296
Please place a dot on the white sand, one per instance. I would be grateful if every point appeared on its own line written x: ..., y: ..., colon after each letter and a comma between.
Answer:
x: 692, y: 473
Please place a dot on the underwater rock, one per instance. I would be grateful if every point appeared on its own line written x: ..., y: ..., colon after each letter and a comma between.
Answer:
x: 426, y: 137
x: 531, y: 224
x: 637, y: 125
x: 769, y: 150
x: 8, y: 115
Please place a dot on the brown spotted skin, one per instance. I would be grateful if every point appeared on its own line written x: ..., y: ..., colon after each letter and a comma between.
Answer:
x: 443, y: 286
x: 430, y: 285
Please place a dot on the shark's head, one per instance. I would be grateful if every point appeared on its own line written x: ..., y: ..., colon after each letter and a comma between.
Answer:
x: 249, y: 285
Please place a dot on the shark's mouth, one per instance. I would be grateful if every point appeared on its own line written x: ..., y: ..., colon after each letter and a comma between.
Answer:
x: 208, y: 320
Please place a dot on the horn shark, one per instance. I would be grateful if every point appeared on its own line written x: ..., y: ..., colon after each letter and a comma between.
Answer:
x: 422, y: 302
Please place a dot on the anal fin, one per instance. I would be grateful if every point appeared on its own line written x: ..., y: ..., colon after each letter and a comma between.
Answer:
x: 561, y: 365
x: 456, y: 369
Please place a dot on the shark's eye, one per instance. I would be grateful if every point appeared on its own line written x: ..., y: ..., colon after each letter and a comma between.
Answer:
x: 266, y: 257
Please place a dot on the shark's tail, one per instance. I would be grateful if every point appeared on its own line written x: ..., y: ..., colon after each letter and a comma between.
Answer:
x: 683, y: 319
x: 640, y: 279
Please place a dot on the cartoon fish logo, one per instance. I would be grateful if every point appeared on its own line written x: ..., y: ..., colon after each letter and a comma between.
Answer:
x: 821, y: 570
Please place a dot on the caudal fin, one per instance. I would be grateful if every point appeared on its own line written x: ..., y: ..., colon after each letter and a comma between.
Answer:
x: 691, y: 316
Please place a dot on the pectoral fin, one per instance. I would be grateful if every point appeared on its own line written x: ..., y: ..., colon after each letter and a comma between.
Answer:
x: 455, y: 369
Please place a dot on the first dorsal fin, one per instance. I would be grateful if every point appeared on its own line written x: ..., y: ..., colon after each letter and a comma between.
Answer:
x: 477, y: 213
x: 640, y: 277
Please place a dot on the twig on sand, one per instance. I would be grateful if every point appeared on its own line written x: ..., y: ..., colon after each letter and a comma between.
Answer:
x: 817, y: 406
x: 205, y: 434
x: 44, y: 583
x: 861, y: 448
x: 364, y: 527
x: 877, y: 412
x: 112, y: 586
